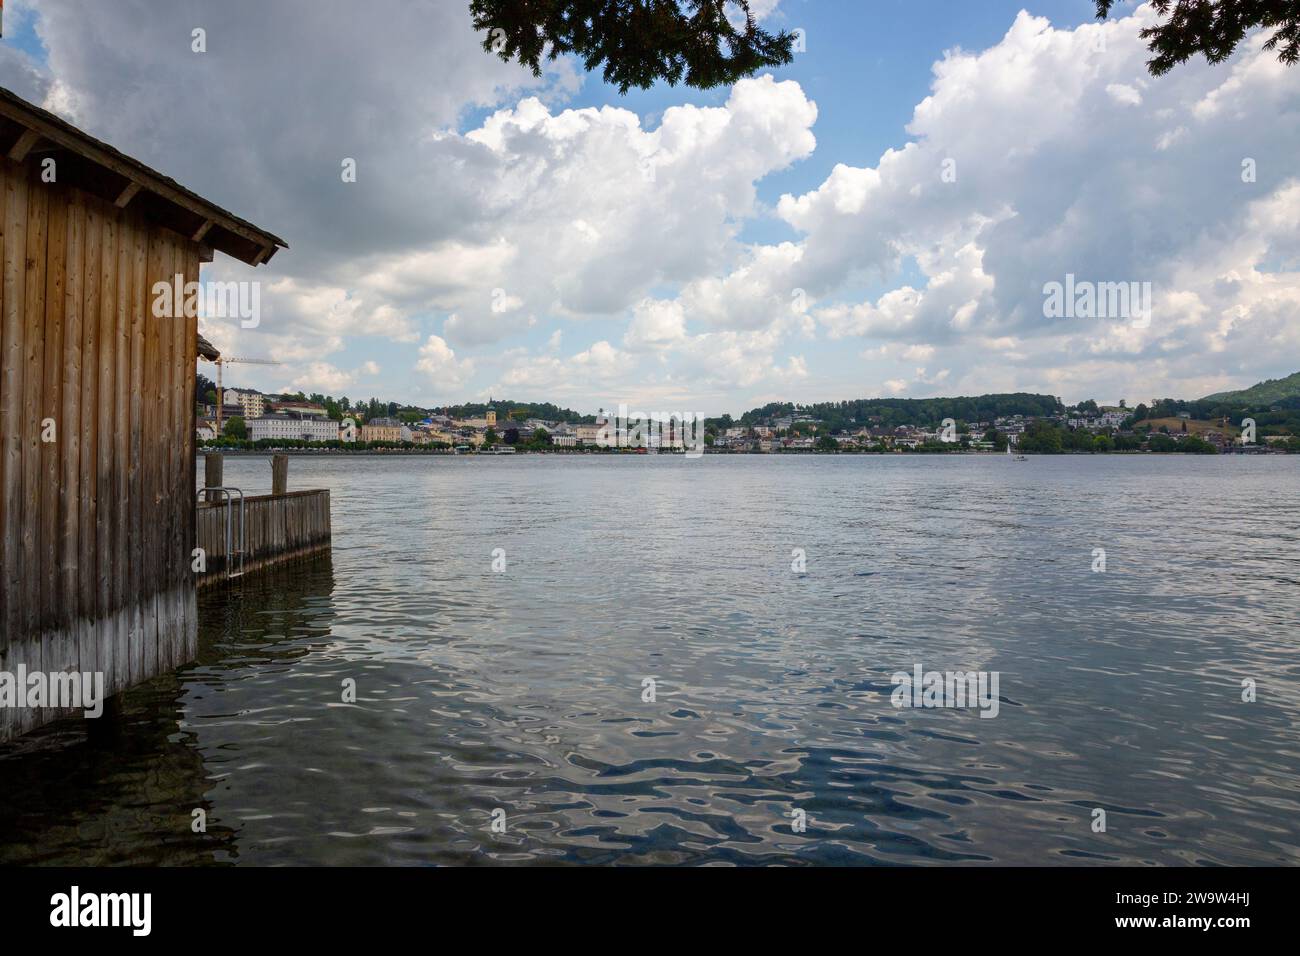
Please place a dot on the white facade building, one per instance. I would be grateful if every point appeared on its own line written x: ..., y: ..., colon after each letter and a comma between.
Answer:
x: 284, y: 426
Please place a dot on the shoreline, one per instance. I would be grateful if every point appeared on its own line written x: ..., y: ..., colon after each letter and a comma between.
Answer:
x: 442, y: 453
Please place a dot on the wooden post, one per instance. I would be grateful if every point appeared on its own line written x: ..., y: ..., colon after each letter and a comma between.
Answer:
x: 212, y: 474
x: 279, y: 474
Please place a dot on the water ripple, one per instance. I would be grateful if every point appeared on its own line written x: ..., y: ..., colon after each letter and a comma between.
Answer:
x: 520, y: 695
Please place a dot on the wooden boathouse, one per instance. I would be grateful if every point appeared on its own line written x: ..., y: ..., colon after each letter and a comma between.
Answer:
x: 97, y: 437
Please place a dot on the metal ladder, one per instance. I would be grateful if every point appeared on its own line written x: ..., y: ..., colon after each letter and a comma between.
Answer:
x: 231, y: 552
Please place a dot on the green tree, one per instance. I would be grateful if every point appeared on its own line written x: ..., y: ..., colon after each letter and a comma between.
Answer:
x: 235, y: 428
x: 639, y: 41
x: 490, y: 437
x: 1080, y: 439
x: 1043, y: 438
x: 203, y: 385
x: 1213, y: 28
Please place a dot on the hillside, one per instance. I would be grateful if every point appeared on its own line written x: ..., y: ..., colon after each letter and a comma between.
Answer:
x: 912, y: 411
x: 1194, y: 427
x: 1273, y: 390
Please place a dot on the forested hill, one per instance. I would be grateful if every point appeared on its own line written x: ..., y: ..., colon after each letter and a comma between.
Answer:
x: 1263, y: 393
x: 911, y: 411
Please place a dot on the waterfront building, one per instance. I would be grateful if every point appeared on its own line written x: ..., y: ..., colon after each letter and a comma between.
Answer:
x: 115, y: 492
x: 303, y: 428
x: 385, y: 429
x: 591, y: 434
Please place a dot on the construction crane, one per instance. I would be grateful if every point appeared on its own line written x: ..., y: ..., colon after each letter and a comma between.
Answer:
x: 221, y: 394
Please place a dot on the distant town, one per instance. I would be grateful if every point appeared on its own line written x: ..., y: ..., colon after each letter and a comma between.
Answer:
x: 1261, y: 420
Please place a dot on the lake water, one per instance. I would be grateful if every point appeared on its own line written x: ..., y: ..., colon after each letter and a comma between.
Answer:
x: 523, y: 691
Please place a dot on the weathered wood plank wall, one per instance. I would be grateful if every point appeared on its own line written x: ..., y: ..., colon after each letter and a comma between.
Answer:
x: 96, y: 525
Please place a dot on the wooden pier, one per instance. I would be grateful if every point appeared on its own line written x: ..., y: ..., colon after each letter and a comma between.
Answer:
x: 97, y: 505
x: 279, y: 528
x: 241, y: 535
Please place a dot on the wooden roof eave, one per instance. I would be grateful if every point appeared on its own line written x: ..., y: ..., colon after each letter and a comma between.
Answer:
x: 207, y: 350
x: 198, y: 219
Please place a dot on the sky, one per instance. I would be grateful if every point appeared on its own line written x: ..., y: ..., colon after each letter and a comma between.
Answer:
x: 880, y: 218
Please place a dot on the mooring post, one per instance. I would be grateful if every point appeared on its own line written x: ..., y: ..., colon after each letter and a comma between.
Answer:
x: 279, y: 474
x: 212, y: 474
